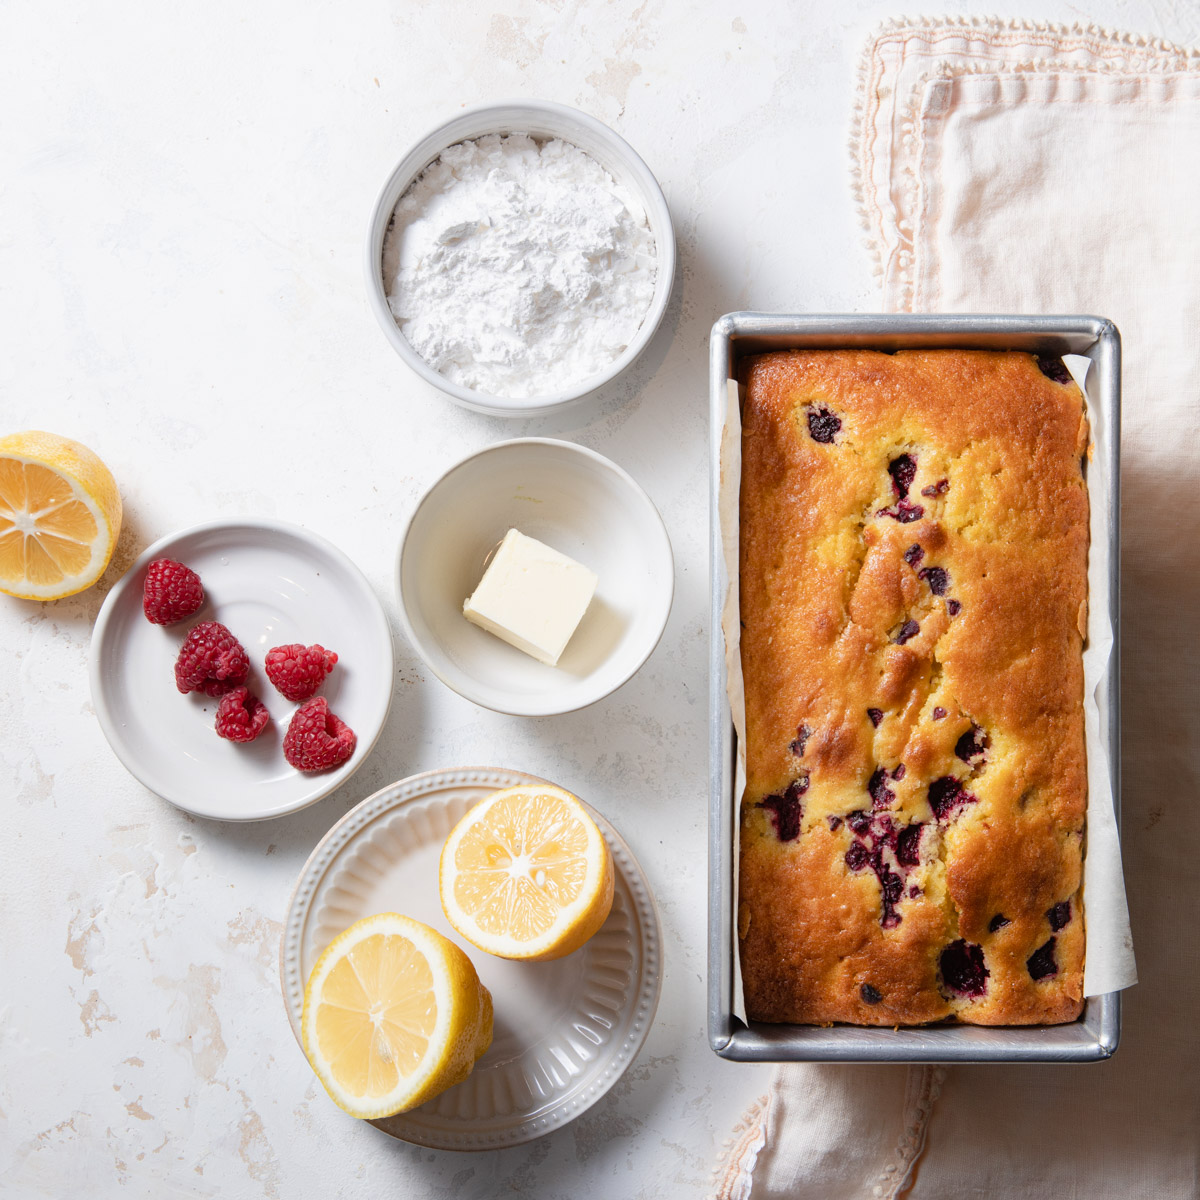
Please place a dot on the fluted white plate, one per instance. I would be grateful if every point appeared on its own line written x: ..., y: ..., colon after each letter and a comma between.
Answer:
x: 565, y: 1031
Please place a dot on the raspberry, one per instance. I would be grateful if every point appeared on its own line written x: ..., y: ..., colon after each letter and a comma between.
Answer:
x: 903, y: 471
x: 297, y: 671
x: 786, y: 810
x: 241, y: 715
x: 212, y: 661
x: 823, y: 425
x: 964, y: 971
x: 171, y: 592
x: 317, y: 739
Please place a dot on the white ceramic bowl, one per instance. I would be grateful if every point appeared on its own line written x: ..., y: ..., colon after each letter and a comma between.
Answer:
x: 540, y: 119
x: 271, y: 583
x: 574, y: 500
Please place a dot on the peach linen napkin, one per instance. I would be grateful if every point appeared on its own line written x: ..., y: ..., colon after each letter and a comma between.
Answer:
x: 1021, y: 167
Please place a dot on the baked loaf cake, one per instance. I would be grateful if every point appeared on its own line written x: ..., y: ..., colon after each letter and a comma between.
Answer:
x: 914, y: 541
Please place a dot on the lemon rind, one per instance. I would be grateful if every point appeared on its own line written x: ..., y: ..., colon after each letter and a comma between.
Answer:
x: 578, y: 922
x: 93, y: 485
x: 462, y: 1033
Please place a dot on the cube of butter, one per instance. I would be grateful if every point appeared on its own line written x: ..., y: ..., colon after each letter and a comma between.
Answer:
x: 531, y: 596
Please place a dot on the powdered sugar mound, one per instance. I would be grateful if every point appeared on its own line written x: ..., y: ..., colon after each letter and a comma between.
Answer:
x: 518, y: 267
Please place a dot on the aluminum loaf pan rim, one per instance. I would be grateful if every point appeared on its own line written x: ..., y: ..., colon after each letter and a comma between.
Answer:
x: 1095, y: 1036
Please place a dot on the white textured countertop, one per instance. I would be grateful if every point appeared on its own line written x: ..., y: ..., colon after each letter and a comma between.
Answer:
x: 183, y: 201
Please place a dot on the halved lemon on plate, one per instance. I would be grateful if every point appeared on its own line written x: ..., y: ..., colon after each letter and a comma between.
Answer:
x: 394, y: 1014
x: 526, y: 874
x: 60, y: 516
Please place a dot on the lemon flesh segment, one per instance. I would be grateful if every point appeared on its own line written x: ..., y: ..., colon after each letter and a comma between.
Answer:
x: 60, y: 516
x: 394, y: 1014
x: 527, y: 874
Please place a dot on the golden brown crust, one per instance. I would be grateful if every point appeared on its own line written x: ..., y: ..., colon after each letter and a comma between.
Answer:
x: 961, y: 661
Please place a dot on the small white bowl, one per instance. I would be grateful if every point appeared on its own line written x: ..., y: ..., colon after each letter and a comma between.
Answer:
x: 574, y: 500
x: 538, y: 118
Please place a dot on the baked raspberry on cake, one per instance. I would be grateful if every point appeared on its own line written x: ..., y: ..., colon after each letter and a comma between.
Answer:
x: 913, y: 589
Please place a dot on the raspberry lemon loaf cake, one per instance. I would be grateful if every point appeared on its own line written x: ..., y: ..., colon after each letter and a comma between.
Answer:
x: 914, y: 540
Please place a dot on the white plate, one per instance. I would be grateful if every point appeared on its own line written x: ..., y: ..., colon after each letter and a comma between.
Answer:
x: 574, y: 500
x: 271, y: 584
x: 565, y: 1031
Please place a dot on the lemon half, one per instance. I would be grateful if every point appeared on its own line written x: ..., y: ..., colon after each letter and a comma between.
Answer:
x: 527, y: 874
x: 60, y: 516
x: 394, y: 1013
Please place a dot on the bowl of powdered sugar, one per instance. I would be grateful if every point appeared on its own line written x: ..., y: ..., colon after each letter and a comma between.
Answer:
x: 520, y: 257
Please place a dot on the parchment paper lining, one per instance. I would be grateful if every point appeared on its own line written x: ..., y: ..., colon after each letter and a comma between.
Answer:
x: 1109, y: 965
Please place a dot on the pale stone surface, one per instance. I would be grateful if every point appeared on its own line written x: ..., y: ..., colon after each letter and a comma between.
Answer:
x: 184, y: 200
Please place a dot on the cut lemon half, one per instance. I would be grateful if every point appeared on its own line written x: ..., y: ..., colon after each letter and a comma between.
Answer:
x: 60, y: 516
x: 527, y: 874
x: 393, y: 1014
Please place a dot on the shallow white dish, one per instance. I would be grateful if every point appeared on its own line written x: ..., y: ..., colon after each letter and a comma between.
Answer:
x: 574, y: 500
x: 565, y: 1031
x: 271, y: 584
x: 538, y: 118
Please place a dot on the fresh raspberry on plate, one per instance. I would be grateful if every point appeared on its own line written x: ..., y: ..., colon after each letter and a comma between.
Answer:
x: 297, y: 671
x: 212, y: 661
x: 171, y: 592
x: 241, y: 715
x: 317, y: 739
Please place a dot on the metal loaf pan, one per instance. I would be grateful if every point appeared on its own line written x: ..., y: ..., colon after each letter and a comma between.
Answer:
x: 1095, y: 1035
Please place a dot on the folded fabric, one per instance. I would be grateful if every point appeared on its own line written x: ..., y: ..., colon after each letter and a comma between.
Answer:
x: 1026, y: 168
x: 899, y: 63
